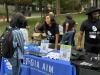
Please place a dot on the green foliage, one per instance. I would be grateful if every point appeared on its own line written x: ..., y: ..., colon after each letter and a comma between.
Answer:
x: 79, y: 18
x: 85, y: 1
x: 70, y: 5
x: 32, y: 22
x: 2, y: 27
x: 16, y: 1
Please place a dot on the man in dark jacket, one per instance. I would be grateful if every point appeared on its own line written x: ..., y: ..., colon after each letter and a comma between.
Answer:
x: 91, y: 27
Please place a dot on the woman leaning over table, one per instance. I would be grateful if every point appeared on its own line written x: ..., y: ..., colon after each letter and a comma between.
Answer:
x: 50, y: 29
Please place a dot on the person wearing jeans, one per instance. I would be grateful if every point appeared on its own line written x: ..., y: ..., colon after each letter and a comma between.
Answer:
x: 68, y: 38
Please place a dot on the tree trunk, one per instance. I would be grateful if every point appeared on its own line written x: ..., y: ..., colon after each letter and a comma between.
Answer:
x: 7, y: 13
x: 57, y: 7
x: 97, y: 2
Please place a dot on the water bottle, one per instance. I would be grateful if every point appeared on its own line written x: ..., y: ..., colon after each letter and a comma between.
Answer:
x: 44, y: 44
x: 68, y: 52
x: 65, y: 52
x: 61, y: 51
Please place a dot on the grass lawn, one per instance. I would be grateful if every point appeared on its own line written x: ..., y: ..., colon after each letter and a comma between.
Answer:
x: 31, y: 22
x: 2, y: 27
x: 79, y: 19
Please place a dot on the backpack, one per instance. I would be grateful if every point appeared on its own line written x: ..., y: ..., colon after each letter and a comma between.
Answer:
x: 6, y: 43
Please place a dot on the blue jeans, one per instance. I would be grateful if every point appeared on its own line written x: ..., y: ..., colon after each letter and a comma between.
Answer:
x: 68, y: 38
x: 16, y: 63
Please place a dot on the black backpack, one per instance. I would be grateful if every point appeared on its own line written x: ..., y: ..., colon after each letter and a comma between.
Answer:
x: 6, y: 43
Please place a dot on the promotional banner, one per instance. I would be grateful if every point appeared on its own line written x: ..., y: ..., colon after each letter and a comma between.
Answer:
x: 33, y: 65
x: 44, y: 66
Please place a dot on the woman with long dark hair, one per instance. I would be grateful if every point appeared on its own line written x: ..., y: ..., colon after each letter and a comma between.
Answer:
x: 50, y: 29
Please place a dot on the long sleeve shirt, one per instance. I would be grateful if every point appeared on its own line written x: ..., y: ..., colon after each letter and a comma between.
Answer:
x: 18, y: 43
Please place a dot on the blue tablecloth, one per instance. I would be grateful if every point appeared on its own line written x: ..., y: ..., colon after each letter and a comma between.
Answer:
x: 6, y: 68
x: 33, y: 65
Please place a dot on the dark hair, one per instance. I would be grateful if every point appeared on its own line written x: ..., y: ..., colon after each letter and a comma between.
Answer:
x: 53, y: 22
x: 17, y: 20
x: 68, y: 16
x: 91, y: 18
x: 52, y: 19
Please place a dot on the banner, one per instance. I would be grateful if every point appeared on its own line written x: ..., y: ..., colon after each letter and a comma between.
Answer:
x: 44, y: 66
x: 33, y: 65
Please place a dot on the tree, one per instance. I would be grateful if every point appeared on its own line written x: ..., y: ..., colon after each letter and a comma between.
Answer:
x: 14, y: 2
x: 6, y: 8
x: 57, y: 7
x: 85, y: 1
x: 69, y: 5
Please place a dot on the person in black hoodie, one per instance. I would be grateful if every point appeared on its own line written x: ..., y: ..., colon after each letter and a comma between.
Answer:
x: 91, y: 28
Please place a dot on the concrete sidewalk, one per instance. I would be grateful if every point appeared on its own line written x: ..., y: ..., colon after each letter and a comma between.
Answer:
x: 5, y: 19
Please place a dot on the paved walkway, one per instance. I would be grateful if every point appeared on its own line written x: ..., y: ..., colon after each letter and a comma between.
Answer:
x: 4, y: 19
